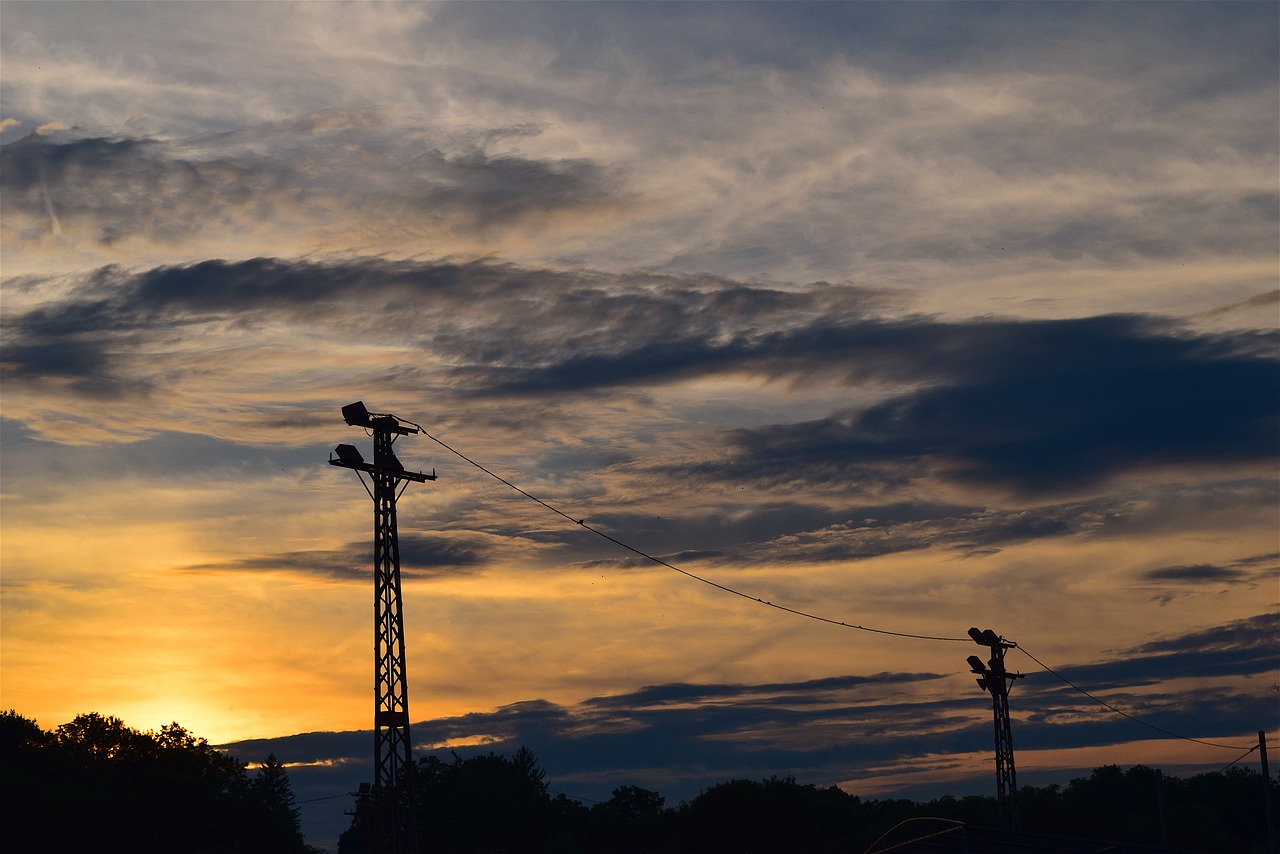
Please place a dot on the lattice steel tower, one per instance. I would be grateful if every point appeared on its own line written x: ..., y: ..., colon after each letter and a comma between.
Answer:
x: 993, y: 678
x: 386, y: 805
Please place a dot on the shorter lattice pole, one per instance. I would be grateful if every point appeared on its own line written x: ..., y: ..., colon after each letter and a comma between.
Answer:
x: 994, y: 679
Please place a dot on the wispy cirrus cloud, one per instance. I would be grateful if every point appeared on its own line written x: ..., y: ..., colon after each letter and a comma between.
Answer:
x: 98, y: 192
x: 1088, y: 155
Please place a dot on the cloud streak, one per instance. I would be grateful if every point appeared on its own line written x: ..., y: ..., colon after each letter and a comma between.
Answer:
x: 1035, y: 407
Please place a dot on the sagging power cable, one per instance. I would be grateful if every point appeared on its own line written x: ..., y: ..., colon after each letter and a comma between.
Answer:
x: 1125, y: 714
x: 582, y: 523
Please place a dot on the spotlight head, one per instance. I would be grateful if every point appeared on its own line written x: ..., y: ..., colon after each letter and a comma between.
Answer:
x: 986, y: 637
x: 356, y: 415
x: 349, y: 454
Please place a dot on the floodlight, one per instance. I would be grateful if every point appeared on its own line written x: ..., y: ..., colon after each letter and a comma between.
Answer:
x: 986, y: 637
x: 355, y: 414
x: 976, y: 664
x: 349, y: 454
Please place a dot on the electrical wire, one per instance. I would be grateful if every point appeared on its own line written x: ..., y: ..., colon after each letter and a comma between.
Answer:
x: 1125, y: 714
x: 1238, y: 758
x: 582, y: 523
x: 830, y: 621
x: 326, y: 798
x: 575, y: 797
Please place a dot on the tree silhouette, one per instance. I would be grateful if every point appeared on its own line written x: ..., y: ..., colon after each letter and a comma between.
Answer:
x: 97, y: 785
x: 490, y: 803
x: 485, y: 803
x: 630, y: 822
x: 773, y: 815
x: 271, y: 791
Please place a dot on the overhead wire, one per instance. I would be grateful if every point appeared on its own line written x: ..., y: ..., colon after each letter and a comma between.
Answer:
x: 582, y: 523
x: 326, y: 798
x: 1224, y: 768
x: 1125, y: 714
x: 795, y: 611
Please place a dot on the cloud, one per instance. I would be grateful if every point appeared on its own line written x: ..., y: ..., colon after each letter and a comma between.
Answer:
x: 294, y: 175
x: 781, y: 533
x: 678, y: 738
x: 1089, y: 150
x: 1196, y: 574
x: 422, y: 556
x: 1034, y: 407
x: 1241, y: 648
x: 1183, y: 580
x: 1248, y: 636
x: 1043, y: 406
x: 163, y: 453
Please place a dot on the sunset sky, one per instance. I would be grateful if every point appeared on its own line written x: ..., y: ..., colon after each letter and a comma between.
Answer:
x: 915, y: 317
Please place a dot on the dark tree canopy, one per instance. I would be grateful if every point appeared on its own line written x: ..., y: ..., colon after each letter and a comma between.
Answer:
x: 95, y: 785
x: 492, y: 803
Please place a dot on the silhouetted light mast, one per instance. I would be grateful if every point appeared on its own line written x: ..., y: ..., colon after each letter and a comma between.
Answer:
x: 993, y: 678
x: 389, y: 806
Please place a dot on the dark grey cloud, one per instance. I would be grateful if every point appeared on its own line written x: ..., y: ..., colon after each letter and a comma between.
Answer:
x: 1252, y: 635
x: 1182, y: 580
x: 806, y: 693
x: 168, y: 191
x: 1200, y: 573
x: 1266, y: 301
x: 733, y: 537
x: 689, y: 736
x: 924, y: 37
x: 502, y: 328
x: 422, y: 556
x: 1031, y: 406
x: 90, y: 368
x: 1048, y: 405
x: 169, y: 453
x: 783, y: 532
x: 122, y: 187
x: 1246, y: 647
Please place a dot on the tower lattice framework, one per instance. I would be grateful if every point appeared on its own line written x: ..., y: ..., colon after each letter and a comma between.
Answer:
x: 995, y: 679
x: 387, y: 804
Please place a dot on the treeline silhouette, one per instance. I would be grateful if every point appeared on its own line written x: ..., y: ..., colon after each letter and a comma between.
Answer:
x: 96, y: 785
x: 490, y: 803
